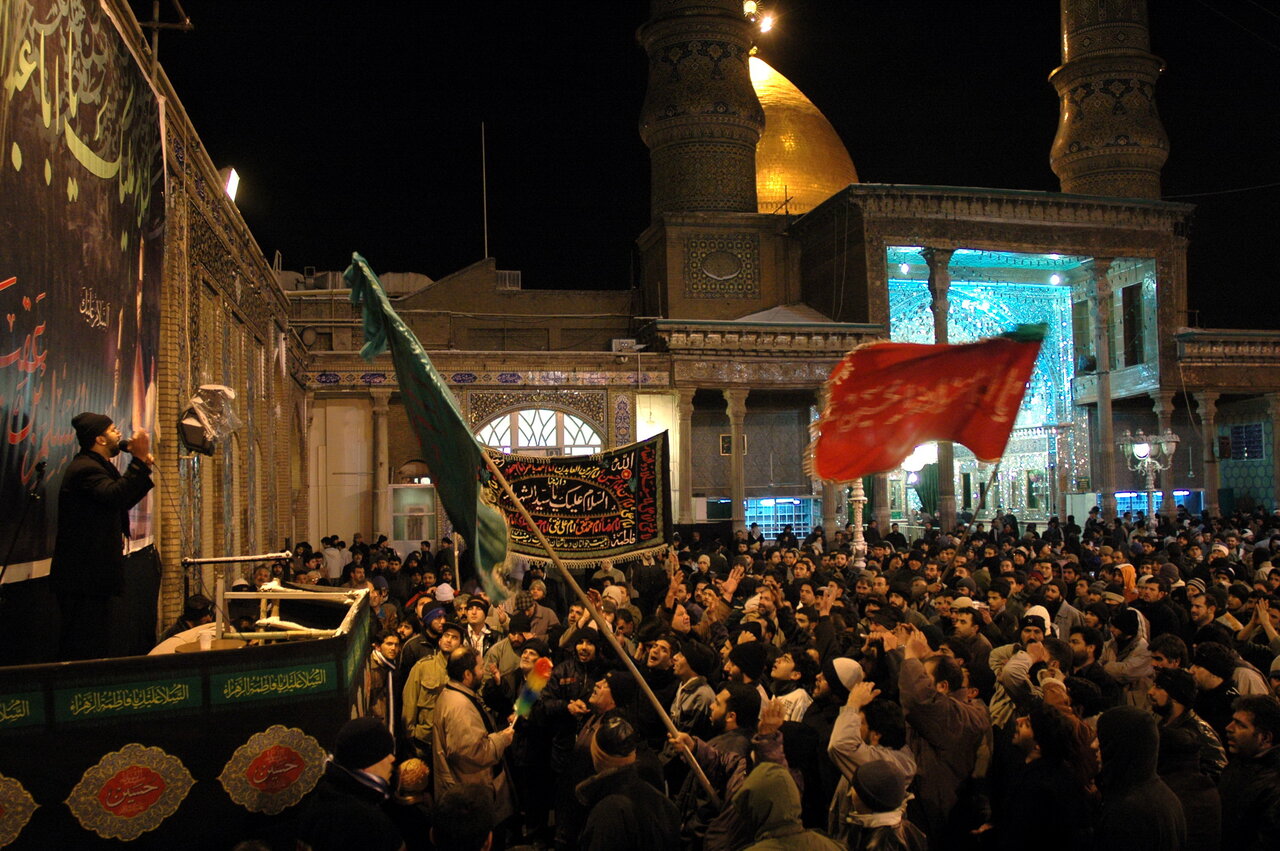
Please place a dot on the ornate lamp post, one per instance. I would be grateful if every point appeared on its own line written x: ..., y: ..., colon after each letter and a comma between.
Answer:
x: 1148, y: 454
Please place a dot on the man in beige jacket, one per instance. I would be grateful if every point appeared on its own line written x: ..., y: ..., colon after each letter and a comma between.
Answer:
x: 467, y: 746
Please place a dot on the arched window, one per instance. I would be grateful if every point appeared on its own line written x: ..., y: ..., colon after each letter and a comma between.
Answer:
x: 540, y: 431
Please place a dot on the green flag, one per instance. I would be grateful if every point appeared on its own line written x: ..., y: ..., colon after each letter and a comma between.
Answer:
x: 448, y: 446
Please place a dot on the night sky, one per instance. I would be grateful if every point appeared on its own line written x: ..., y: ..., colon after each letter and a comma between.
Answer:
x: 356, y: 125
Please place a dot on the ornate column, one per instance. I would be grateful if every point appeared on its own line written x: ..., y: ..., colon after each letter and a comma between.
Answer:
x: 939, y: 286
x: 1162, y: 403
x: 736, y: 402
x: 1207, y: 403
x: 684, y: 513
x: 1104, y: 469
x: 381, y: 476
x: 1110, y: 140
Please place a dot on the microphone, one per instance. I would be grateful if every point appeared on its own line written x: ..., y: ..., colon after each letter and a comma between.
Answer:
x: 124, y: 444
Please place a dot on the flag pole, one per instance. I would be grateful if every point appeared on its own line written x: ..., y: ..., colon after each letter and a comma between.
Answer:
x: 600, y: 622
x: 982, y: 500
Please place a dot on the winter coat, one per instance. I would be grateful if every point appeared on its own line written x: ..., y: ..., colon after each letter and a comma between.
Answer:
x: 1139, y: 812
x: 1132, y: 669
x: 93, y: 520
x: 945, y: 733
x: 467, y: 749
x: 768, y: 805
x: 626, y: 813
x: 1250, y: 789
x: 343, y: 813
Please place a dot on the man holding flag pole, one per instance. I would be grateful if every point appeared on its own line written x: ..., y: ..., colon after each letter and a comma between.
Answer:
x: 460, y: 465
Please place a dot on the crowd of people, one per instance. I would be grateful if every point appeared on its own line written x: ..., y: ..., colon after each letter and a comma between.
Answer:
x: 1111, y: 685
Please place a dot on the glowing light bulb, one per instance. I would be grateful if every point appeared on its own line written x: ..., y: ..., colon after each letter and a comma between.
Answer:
x: 749, y: 8
x: 766, y: 23
x: 1055, y: 279
x: 904, y: 268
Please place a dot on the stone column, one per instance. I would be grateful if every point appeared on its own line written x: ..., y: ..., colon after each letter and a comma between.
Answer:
x: 1207, y: 403
x: 1162, y: 403
x: 736, y: 403
x: 1273, y: 408
x: 880, y: 495
x: 1104, y: 469
x: 684, y: 513
x: 832, y: 492
x: 381, y: 476
x: 939, y: 286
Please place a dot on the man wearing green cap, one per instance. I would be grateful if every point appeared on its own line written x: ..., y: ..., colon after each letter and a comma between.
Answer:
x: 87, y: 571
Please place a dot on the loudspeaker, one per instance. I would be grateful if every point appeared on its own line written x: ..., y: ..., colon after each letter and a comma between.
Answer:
x: 210, y: 418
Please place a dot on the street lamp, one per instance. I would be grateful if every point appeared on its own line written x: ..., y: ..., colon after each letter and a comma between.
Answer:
x: 1148, y: 454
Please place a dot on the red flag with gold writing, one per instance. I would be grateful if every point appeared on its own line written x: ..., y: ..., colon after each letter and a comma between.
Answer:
x: 884, y: 399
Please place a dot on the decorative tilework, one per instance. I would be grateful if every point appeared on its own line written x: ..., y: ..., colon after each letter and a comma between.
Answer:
x: 622, y: 419
x: 719, y: 265
x: 483, y: 406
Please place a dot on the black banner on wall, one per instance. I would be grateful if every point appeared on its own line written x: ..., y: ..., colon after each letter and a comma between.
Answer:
x: 81, y: 252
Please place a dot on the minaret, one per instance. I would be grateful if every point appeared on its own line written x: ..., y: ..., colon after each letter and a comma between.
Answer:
x: 701, y: 119
x: 1110, y: 140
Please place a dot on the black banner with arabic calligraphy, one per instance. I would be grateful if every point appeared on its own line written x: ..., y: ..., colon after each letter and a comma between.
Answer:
x: 590, y: 507
x: 81, y: 251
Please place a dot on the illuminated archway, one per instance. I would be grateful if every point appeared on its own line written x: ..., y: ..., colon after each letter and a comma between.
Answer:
x: 541, y: 431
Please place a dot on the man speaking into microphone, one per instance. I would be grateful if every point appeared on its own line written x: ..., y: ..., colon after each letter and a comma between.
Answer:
x: 93, y: 529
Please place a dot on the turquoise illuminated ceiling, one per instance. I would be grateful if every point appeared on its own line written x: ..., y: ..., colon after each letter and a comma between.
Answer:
x: 993, y: 292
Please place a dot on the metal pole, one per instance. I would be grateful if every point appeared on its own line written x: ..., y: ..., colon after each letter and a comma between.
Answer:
x: 600, y: 622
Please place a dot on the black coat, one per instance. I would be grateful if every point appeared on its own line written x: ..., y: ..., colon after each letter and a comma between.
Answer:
x: 627, y: 813
x: 1250, y: 789
x: 343, y: 813
x: 1139, y: 812
x: 93, y: 519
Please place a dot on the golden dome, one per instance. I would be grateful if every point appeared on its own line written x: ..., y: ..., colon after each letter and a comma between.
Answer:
x: 799, y: 156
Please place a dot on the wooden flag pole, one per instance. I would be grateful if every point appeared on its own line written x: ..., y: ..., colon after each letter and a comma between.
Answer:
x: 604, y: 628
x: 982, y: 500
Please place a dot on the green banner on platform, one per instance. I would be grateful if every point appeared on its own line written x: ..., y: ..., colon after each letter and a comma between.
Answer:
x: 109, y: 701
x: 272, y: 683
x: 19, y: 710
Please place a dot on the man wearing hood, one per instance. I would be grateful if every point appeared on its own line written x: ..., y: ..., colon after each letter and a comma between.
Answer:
x: 1139, y: 812
x: 768, y: 807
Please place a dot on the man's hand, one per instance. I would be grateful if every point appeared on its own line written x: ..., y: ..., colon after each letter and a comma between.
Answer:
x: 730, y: 585
x: 507, y: 734
x: 917, y: 646
x: 577, y: 707
x: 862, y: 694
x: 682, y: 740
x: 1038, y: 652
x: 140, y: 446
x: 775, y: 712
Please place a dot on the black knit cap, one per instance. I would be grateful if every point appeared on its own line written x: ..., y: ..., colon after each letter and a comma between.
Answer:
x: 751, y: 658
x: 363, y: 742
x: 88, y: 426
x: 702, y: 660
x: 1180, y: 685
